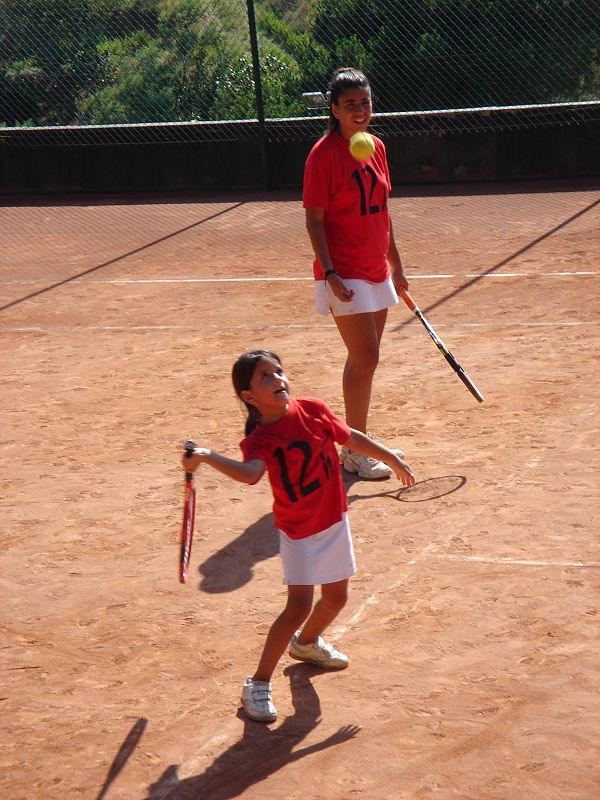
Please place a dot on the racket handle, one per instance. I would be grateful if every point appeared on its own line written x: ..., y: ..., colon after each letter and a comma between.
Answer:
x: 190, y: 447
x: 408, y: 299
x: 189, y: 451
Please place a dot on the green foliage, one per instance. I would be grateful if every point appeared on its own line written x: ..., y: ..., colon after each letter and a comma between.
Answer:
x: 139, y: 83
x: 312, y: 59
x: 108, y: 61
x: 236, y: 97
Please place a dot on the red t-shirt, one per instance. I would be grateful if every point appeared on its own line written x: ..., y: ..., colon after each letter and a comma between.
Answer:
x: 354, y: 196
x: 303, y: 466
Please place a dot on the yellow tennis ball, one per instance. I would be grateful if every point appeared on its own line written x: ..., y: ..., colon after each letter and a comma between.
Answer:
x: 362, y: 146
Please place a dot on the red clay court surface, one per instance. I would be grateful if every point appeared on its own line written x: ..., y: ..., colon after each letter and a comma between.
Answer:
x: 472, y: 624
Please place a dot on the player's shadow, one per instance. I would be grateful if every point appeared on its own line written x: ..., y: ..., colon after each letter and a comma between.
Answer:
x: 260, y: 752
x: 122, y: 757
x: 233, y: 565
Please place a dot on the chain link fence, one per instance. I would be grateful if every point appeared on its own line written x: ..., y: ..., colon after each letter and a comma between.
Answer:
x: 165, y: 70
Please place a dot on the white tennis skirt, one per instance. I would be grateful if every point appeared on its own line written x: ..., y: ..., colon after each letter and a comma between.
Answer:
x: 325, y: 557
x: 367, y: 297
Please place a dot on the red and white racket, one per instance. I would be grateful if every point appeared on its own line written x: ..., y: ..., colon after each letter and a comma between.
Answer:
x: 189, y: 512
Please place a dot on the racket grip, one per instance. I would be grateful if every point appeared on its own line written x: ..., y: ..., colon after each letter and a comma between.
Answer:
x: 408, y: 299
x: 190, y: 447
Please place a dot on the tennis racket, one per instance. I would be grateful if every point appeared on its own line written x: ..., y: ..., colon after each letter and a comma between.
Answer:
x: 189, y: 512
x: 441, y: 346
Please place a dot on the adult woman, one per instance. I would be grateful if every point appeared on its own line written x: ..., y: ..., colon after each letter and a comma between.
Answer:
x: 357, y: 265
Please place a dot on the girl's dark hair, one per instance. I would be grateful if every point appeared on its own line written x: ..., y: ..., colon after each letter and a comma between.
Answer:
x: 241, y: 375
x: 343, y: 79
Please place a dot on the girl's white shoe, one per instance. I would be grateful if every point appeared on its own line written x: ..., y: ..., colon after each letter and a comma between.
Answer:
x: 257, y: 701
x: 319, y: 653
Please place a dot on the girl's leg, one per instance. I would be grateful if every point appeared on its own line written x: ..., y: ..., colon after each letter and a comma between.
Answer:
x: 297, y: 609
x: 333, y: 599
x: 361, y: 333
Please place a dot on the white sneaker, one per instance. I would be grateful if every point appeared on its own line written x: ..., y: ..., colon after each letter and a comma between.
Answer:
x: 368, y: 468
x: 319, y: 653
x: 257, y: 702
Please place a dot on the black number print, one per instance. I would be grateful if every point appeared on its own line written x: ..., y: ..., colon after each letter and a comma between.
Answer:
x: 304, y: 489
x: 327, y: 465
x: 373, y: 208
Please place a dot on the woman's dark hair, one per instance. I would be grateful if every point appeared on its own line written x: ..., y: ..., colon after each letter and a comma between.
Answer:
x: 343, y: 79
x: 241, y: 375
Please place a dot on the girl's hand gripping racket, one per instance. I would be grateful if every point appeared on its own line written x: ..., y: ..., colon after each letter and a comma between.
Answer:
x: 187, y: 527
x: 441, y: 346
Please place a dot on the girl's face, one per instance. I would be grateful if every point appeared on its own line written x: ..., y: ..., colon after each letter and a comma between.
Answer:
x: 353, y: 111
x: 269, y: 391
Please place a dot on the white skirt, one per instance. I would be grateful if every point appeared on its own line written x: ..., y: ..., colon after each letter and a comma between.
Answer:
x: 325, y: 557
x: 367, y: 297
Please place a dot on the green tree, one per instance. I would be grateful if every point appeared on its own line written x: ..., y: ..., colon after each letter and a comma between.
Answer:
x: 139, y: 83
x: 426, y: 54
x: 49, y: 57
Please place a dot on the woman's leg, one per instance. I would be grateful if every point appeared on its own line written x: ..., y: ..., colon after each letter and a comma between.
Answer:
x: 297, y: 609
x: 333, y: 599
x: 361, y: 333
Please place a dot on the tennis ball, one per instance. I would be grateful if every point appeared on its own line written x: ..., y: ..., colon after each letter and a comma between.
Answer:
x: 362, y: 146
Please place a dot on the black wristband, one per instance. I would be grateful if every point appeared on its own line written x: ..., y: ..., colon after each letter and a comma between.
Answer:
x: 329, y: 272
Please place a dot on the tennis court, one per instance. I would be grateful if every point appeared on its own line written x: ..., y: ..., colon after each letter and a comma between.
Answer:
x: 472, y: 624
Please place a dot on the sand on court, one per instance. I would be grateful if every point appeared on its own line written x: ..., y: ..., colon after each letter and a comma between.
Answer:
x: 472, y: 624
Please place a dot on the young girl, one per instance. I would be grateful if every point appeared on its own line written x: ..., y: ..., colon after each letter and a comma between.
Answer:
x: 346, y: 206
x: 294, y: 440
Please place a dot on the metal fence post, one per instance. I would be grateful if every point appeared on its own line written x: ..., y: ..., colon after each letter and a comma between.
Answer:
x: 260, y: 111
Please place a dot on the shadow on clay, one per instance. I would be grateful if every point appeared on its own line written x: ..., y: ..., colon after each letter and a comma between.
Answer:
x: 422, y: 492
x: 130, y: 742
x: 260, y: 752
x: 233, y: 565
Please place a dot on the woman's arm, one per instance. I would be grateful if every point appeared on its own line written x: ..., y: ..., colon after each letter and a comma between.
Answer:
x: 395, y: 262
x: 318, y: 239
x: 242, y: 471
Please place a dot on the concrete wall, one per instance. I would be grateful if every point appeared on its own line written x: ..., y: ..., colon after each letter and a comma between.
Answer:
x: 207, y: 157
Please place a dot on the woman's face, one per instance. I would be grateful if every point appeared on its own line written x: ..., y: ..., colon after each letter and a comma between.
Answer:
x: 353, y: 111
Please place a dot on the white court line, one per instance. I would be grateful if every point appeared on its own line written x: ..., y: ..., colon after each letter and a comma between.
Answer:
x: 372, y: 600
x: 525, y: 274
x: 305, y: 278
x: 515, y: 324
x: 246, y: 280
x: 252, y: 326
x: 262, y: 279
x: 428, y: 552
x: 438, y: 276
x: 130, y: 328
x: 518, y: 562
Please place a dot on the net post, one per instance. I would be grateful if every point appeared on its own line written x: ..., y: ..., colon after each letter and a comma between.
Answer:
x: 260, y: 111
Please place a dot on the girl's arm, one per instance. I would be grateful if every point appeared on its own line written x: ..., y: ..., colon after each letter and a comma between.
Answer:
x: 395, y: 262
x: 318, y: 239
x: 369, y: 447
x: 242, y: 471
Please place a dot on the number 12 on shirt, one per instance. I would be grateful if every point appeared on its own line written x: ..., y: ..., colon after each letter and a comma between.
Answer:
x: 369, y: 207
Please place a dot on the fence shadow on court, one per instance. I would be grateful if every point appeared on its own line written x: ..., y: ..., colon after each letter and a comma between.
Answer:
x: 118, y: 258
x: 503, y: 263
x: 261, y: 751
